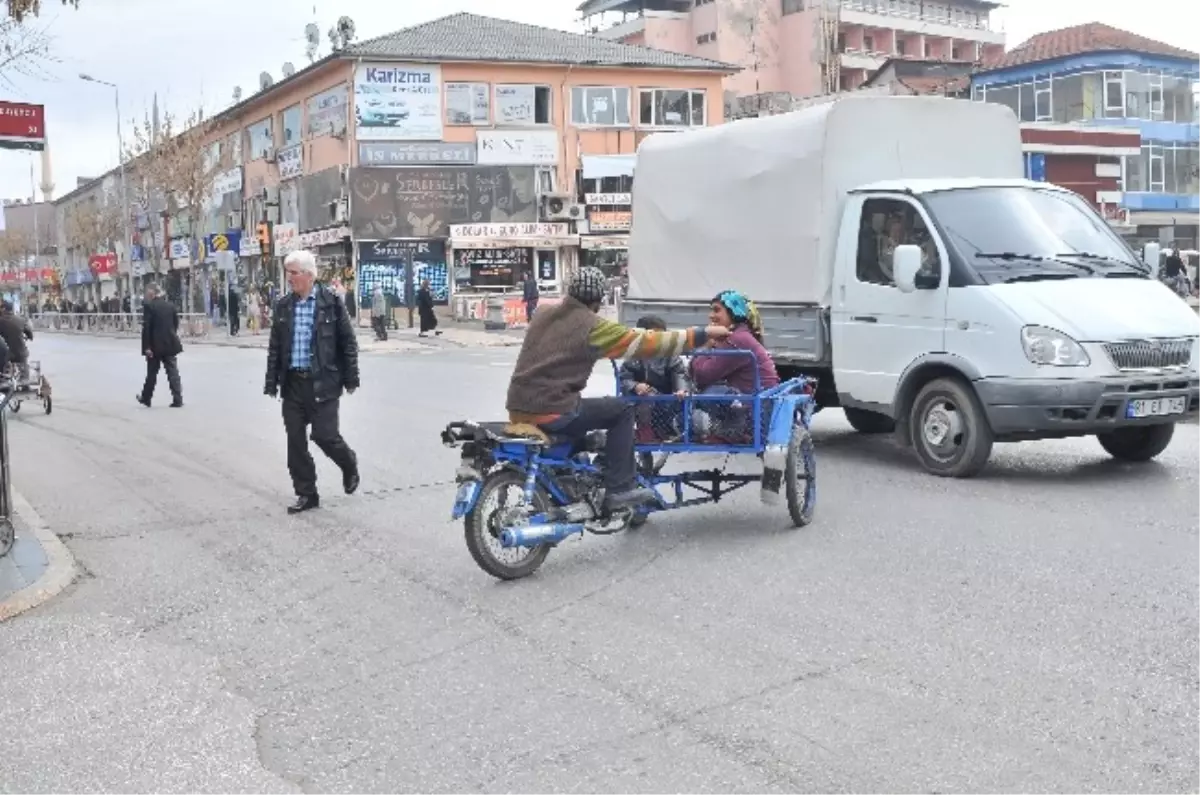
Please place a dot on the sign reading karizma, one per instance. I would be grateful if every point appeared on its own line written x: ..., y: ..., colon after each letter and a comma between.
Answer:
x: 22, y: 126
x: 398, y: 102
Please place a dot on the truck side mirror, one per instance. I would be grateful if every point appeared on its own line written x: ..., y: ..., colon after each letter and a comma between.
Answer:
x: 906, y: 263
x: 1150, y: 256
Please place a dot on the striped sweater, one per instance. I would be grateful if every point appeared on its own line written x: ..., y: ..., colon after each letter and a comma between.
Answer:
x: 561, y: 348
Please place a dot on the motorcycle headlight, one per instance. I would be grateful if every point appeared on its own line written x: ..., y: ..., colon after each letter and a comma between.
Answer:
x: 1046, y: 346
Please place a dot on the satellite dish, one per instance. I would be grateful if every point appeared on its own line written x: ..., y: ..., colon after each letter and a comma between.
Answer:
x: 345, y: 26
x: 288, y: 69
x: 265, y: 81
x: 237, y: 93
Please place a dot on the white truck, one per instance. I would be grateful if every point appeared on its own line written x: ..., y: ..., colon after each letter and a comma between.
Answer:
x: 896, y: 252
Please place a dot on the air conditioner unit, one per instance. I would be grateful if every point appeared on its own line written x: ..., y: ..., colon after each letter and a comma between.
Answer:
x: 338, y: 211
x: 269, y: 156
x: 561, y: 207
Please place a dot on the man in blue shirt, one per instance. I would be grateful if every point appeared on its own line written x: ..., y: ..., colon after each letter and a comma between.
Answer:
x: 312, y: 356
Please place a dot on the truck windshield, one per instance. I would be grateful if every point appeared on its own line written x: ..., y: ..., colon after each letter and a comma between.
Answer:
x: 1021, y: 234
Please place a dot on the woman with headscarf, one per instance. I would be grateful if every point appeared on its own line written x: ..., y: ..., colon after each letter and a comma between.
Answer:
x: 425, y: 309
x: 731, y: 374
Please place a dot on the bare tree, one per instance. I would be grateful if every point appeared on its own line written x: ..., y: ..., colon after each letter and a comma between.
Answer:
x: 92, y: 227
x: 19, y: 10
x: 170, y: 175
x: 756, y: 24
x: 24, y: 51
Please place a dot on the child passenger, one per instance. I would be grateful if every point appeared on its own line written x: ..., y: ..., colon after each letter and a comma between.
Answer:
x: 662, y: 376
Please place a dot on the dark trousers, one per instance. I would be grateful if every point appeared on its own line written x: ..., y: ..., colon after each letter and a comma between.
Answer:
x: 610, y: 414
x: 530, y: 308
x: 172, y: 367
x: 235, y: 324
x: 300, y: 410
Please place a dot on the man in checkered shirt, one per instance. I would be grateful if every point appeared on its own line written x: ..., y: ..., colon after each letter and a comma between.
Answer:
x: 313, y: 357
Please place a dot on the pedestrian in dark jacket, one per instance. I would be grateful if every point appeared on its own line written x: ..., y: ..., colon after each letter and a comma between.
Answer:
x: 530, y: 294
x: 160, y: 346
x: 15, y: 331
x: 312, y: 356
x: 425, y: 310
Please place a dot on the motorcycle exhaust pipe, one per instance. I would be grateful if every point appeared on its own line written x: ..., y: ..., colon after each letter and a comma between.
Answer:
x: 538, y: 534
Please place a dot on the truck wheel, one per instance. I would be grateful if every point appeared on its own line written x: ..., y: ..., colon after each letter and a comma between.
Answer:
x: 1137, y: 444
x: 868, y: 421
x: 950, y: 433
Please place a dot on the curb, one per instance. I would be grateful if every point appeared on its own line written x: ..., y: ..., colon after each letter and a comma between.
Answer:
x: 60, y: 567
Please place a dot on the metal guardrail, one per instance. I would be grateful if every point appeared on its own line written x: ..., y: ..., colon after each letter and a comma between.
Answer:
x: 121, y: 324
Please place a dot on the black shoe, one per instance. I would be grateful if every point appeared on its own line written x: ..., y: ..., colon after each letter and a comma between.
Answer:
x: 142, y: 400
x: 350, y: 480
x: 629, y: 498
x: 176, y: 404
x: 303, y: 504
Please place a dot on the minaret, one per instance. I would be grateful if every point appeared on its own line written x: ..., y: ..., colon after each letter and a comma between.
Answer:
x: 154, y: 119
x: 47, y: 185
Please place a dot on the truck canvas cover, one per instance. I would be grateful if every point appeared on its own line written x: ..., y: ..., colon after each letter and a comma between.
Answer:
x: 755, y: 205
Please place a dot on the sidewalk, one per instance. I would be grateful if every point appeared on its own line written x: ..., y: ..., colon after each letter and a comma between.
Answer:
x: 37, y: 568
x: 459, y: 335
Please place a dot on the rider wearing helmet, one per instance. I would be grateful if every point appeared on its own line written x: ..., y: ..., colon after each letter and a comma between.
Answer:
x: 561, y: 348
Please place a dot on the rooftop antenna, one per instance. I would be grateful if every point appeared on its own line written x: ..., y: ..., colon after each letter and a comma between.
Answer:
x: 288, y: 69
x: 341, y: 34
x: 237, y: 94
x: 265, y: 81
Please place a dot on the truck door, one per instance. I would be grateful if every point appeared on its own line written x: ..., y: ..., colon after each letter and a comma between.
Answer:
x: 879, y: 331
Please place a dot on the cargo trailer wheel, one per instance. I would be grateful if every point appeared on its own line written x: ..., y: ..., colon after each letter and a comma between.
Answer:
x: 868, y: 421
x: 1138, y: 443
x: 950, y: 433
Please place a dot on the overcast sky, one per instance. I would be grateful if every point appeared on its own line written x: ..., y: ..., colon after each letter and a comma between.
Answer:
x: 200, y: 49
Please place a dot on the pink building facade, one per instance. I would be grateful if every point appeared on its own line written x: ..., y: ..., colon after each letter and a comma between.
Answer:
x: 802, y: 47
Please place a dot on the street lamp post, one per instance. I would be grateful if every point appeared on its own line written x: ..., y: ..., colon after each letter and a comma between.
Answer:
x: 124, y: 189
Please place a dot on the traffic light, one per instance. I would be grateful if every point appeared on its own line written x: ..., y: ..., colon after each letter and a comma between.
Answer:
x: 264, y: 238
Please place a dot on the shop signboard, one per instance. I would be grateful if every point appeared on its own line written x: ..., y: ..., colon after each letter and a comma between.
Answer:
x: 494, y: 267
x: 608, y: 199
x: 398, y: 102
x: 517, y: 148
x: 610, y: 220
x: 104, y: 266
x: 22, y: 126
x: 290, y: 161
x: 431, y: 153
x: 423, y: 201
x: 383, y: 263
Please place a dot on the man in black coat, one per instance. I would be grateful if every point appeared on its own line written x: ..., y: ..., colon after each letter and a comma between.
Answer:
x: 160, y: 346
x: 312, y: 356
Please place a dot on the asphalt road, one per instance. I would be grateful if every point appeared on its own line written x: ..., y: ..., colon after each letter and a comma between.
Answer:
x: 1033, y: 629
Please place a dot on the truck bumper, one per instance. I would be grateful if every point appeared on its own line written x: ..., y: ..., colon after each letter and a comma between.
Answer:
x: 1045, y: 408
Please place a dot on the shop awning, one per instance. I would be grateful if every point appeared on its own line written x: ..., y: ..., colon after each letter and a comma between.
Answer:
x: 601, y: 166
x: 514, y: 242
x: 599, y: 242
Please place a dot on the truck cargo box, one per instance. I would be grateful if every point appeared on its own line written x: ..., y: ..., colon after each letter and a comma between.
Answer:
x: 755, y: 205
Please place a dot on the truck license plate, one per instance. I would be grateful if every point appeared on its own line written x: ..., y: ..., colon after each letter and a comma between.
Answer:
x: 1156, y: 407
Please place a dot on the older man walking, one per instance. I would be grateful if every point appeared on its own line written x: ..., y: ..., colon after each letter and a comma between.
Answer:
x: 160, y: 346
x: 312, y: 356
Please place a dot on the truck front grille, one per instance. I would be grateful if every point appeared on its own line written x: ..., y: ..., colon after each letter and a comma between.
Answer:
x: 1150, y: 354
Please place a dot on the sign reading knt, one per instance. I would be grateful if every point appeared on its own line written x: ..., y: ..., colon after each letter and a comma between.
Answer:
x: 22, y: 126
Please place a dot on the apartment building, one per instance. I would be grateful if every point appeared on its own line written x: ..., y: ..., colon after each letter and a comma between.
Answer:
x: 1113, y: 116
x: 802, y: 47
x: 462, y: 150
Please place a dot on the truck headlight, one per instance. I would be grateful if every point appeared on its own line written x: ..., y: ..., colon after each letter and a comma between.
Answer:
x: 1046, y: 346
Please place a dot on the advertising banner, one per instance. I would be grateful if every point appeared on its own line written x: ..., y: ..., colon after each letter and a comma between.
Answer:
x: 327, y: 111
x: 420, y: 202
x: 398, y: 102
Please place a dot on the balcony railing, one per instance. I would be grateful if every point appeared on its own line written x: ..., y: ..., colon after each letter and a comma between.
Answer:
x: 893, y: 9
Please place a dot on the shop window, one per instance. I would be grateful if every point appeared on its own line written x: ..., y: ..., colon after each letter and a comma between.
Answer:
x: 600, y: 106
x: 290, y: 126
x: 662, y: 107
x: 1042, y: 100
x: 1028, y: 106
x: 1067, y: 99
x: 523, y: 104
x: 259, y: 139
x: 468, y: 103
